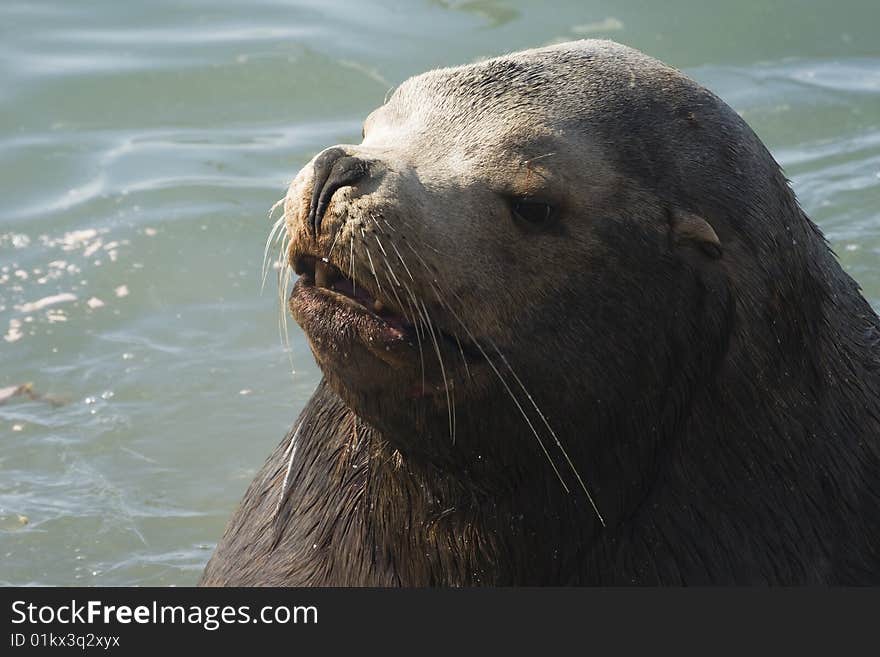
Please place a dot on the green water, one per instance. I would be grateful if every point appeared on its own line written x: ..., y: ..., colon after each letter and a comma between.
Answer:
x: 141, y: 146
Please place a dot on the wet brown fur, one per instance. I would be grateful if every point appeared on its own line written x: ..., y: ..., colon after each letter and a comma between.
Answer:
x: 695, y: 347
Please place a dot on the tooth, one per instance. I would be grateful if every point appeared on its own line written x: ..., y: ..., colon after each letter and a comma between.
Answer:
x: 378, y: 306
x: 321, y: 274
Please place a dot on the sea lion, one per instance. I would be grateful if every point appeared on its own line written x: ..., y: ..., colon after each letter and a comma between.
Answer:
x: 574, y: 329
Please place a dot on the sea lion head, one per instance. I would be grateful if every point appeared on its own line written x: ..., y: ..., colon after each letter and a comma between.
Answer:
x: 551, y: 243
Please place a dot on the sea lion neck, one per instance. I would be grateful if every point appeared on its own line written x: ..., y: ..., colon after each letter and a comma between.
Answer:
x: 408, y: 522
x: 461, y: 534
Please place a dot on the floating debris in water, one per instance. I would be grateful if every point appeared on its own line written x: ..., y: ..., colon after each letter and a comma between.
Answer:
x: 12, y: 391
x: 14, y: 333
x: 27, y: 390
x: 20, y: 240
x: 77, y: 238
x: 92, y: 248
x: 39, y: 304
x: 94, y: 302
x: 121, y: 291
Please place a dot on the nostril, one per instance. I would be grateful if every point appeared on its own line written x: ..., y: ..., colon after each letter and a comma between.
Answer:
x: 334, y: 168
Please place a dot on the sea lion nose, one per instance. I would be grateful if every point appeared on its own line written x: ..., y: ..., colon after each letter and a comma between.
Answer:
x: 334, y: 168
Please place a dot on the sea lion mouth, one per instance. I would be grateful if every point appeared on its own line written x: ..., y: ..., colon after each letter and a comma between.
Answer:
x: 332, y: 307
x: 331, y: 286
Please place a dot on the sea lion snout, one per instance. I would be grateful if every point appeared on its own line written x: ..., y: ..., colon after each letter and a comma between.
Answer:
x: 333, y: 169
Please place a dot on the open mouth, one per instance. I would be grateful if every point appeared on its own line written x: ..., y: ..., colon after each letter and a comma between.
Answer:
x: 335, y: 287
x: 325, y: 292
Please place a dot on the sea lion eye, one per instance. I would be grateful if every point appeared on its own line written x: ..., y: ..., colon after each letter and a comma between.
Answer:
x: 531, y: 210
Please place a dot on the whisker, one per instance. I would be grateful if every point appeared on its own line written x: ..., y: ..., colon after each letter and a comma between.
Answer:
x: 422, y: 260
x: 416, y: 324
x: 528, y: 165
x: 507, y: 388
x: 403, y: 262
x: 550, y: 429
x: 276, y: 204
x: 525, y: 391
x: 286, y: 273
x: 381, y: 248
x: 415, y: 302
x: 396, y: 295
x: 411, y: 318
x: 535, y: 159
x: 280, y: 277
x: 449, y: 403
x: 467, y: 370
x: 291, y: 451
x: 335, y: 239
x: 370, y: 259
x: 271, y: 239
x: 537, y: 410
x: 351, y: 265
x: 378, y: 227
x: 388, y: 267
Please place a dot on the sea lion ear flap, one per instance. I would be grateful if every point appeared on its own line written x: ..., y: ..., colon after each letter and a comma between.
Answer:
x: 690, y: 228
